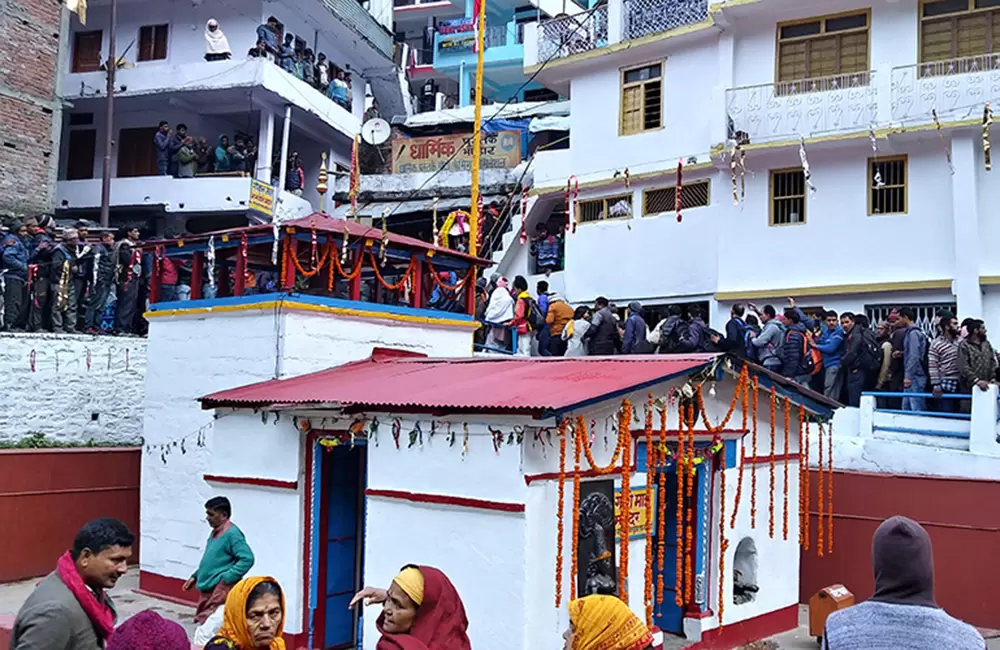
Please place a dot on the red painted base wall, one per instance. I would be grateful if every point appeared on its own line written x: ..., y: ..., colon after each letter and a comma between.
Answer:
x: 46, y: 495
x: 962, y: 517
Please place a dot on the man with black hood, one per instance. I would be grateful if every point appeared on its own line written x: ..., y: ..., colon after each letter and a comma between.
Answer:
x: 603, y: 333
x: 128, y: 276
x: 902, y: 613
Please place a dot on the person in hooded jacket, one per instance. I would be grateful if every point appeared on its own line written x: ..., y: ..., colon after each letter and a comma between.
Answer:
x: 104, y: 278
x: 65, y: 269
x: 768, y: 342
x: 902, y: 613
x: 15, y: 253
x: 794, y: 347
x: 697, y: 333
x: 41, y: 259
x: 603, y: 336
x: 499, y: 310
x: 634, y: 341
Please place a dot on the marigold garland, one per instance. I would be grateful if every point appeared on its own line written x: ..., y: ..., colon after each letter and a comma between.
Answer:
x: 406, y: 274
x: 689, y: 533
x: 626, y: 507
x: 559, y: 512
x: 753, y: 472
x: 650, y: 486
x: 444, y: 285
x: 770, y: 520
x: 679, y: 466
x: 819, y: 495
x: 744, y: 378
x: 829, y: 492
x: 320, y: 263
x: 723, y: 542
x: 661, y: 506
x: 744, y: 398
x: 357, y: 265
x: 784, y: 515
x: 805, y: 479
x: 624, y: 434
x: 802, y: 477
x: 283, y: 271
x: 575, y: 560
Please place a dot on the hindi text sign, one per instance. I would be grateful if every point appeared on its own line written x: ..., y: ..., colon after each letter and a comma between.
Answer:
x: 500, y: 150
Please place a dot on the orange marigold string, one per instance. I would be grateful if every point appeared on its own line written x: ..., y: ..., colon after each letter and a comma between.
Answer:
x: 285, y: 246
x: 357, y: 265
x: 316, y: 269
x: 770, y: 520
x: 802, y: 476
x: 689, y: 533
x: 679, y: 463
x: 661, y: 506
x: 378, y: 275
x: 829, y: 492
x: 745, y: 398
x: 650, y: 487
x: 626, y: 508
x: 744, y: 377
x: 753, y: 472
x: 575, y: 560
x: 444, y: 285
x: 805, y: 474
x: 819, y: 494
x: 559, y: 512
x: 331, y: 268
x: 624, y: 435
x: 723, y: 542
x: 784, y: 516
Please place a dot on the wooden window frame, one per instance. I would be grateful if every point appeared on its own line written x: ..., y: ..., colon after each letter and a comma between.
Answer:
x: 971, y: 10
x: 166, y: 44
x: 608, y: 202
x: 822, y: 20
x: 75, y: 64
x: 906, y: 185
x: 708, y: 197
x: 770, y: 197
x: 622, y: 86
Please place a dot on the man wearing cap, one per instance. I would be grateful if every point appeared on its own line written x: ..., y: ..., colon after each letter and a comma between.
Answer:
x: 64, y: 269
x: 15, y: 253
x: 634, y: 341
x: 41, y: 259
x: 83, y: 279
x: 128, y: 261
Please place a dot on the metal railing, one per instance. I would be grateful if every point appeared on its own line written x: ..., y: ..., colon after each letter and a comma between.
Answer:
x: 956, y: 89
x: 495, y: 36
x: 644, y: 17
x: 809, y: 107
x: 948, y: 415
x: 570, y: 35
x: 487, y: 347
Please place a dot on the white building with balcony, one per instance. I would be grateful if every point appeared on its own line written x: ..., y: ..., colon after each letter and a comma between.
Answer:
x: 887, y: 97
x: 163, y: 76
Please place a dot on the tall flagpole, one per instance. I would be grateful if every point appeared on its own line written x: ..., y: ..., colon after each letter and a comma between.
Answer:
x: 477, y: 135
x: 109, y: 119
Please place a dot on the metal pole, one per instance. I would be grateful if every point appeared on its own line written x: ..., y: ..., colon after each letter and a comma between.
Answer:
x: 109, y: 120
x: 283, y: 161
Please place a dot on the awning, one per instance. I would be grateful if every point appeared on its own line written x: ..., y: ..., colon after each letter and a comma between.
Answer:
x: 408, y: 207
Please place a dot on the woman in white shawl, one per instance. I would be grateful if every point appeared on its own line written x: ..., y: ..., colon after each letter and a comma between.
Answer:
x: 216, y: 43
x: 574, y: 332
x: 500, y: 310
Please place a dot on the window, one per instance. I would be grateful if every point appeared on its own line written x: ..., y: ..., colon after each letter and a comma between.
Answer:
x: 136, y: 152
x: 958, y: 29
x: 925, y: 314
x: 86, y: 51
x: 81, y: 119
x: 693, y: 195
x: 609, y: 207
x: 788, y: 197
x: 80, y: 154
x: 153, y: 43
x: 642, y: 99
x: 823, y: 48
x: 887, y: 186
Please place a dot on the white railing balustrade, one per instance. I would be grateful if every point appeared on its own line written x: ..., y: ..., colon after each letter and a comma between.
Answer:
x: 957, y: 89
x: 570, y: 35
x: 644, y: 17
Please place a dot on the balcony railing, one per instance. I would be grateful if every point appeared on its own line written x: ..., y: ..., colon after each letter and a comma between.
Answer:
x: 956, y: 89
x: 810, y: 107
x: 495, y: 36
x: 570, y: 35
x: 644, y: 17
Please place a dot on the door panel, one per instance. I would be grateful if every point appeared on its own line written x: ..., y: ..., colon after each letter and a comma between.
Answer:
x: 341, y: 544
x: 80, y: 154
x: 667, y: 615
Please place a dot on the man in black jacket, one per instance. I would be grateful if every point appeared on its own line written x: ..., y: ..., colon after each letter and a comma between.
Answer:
x: 603, y: 333
x: 794, y: 347
x: 736, y: 331
x: 104, y: 276
x: 851, y: 364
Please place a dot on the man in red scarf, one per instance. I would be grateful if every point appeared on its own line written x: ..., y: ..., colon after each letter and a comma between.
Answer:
x: 69, y: 609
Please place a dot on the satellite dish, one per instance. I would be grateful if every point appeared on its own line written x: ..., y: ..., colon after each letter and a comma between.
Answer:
x: 375, y: 131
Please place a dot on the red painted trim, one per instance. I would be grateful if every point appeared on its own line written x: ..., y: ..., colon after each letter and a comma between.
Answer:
x: 197, y: 275
x: 319, y: 622
x: 462, y: 502
x: 587, y: 473
x: 705, y: 613
x: 880, y: 475
x: 764, y: 460
x: 307, y: 518
x: 251, y: 480
x: 170, y: 589
x: 736, y: 635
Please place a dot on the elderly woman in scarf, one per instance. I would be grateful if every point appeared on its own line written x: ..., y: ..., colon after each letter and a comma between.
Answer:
x: 605, y: 623
x: 254, y: 617
x: 500, y: 309
x: 147, y: 630
x: 216, y: 43
x: 421, y: 610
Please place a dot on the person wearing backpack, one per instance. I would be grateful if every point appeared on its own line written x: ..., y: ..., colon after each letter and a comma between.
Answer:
x: 672, y: 331
x: 635, y: 341
x: 602, y: 337
x: 768, y: 342
x: 831, y: 346
x: 914, y: 361
x: 796, y: 362
x: 527, y: 316
x: 736, y: 333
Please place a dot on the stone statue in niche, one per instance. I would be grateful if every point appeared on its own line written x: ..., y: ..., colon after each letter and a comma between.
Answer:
x: 597, y: 539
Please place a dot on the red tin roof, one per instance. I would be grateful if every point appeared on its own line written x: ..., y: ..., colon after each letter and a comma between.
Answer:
x: 396, y: 381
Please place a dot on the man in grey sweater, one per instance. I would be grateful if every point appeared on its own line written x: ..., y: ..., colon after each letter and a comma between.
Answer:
x: 902, y: 613
x: 69, y: 609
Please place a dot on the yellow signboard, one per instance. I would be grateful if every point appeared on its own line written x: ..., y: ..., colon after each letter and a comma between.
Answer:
x: 640, y: 512
x: 500, y: 150
x: 261, y: 198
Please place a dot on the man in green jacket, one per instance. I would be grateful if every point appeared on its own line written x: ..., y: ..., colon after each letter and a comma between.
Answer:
x: 226, y: 560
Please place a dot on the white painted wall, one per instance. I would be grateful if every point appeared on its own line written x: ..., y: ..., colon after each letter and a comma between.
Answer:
x: 61, y: 395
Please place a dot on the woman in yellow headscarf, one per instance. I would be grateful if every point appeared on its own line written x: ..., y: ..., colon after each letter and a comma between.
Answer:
x: 605, y: 623
x: 254, y: 617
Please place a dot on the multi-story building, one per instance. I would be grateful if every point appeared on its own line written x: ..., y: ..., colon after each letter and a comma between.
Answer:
x: 30, y: 110
x: 885, y: 99
x: 163, y: 75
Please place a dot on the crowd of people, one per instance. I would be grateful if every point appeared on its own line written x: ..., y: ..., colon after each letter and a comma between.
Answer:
x: 838, y: 355
x: 71, y: 609
x: 62, y: 282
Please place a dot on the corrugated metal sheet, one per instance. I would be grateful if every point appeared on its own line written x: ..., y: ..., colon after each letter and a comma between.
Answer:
x: 467, y: 384
x: 351, y: 13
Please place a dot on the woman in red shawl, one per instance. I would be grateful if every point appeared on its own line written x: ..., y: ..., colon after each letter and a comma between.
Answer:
x: 421, y: 610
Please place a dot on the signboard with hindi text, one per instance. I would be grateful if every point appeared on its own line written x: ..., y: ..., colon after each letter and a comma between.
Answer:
x: 261, y: 199
x: 640, y: 512
x: 501, y: 150
x: 456, y: 35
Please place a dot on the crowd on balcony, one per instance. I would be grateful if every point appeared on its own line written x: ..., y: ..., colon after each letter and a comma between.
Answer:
x: 183, y: 155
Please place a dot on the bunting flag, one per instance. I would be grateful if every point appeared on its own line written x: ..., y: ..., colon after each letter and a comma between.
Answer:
x: 677, y: 190
x: 477, y: 7
x: 987, y: 123
x: 806, y: 172
x: 944, y: 144
x: 877, y: 182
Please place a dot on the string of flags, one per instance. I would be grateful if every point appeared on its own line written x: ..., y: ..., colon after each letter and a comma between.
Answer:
x: 116, y: 358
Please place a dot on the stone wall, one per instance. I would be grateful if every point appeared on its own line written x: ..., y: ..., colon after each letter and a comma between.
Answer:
x: 72, y: 388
